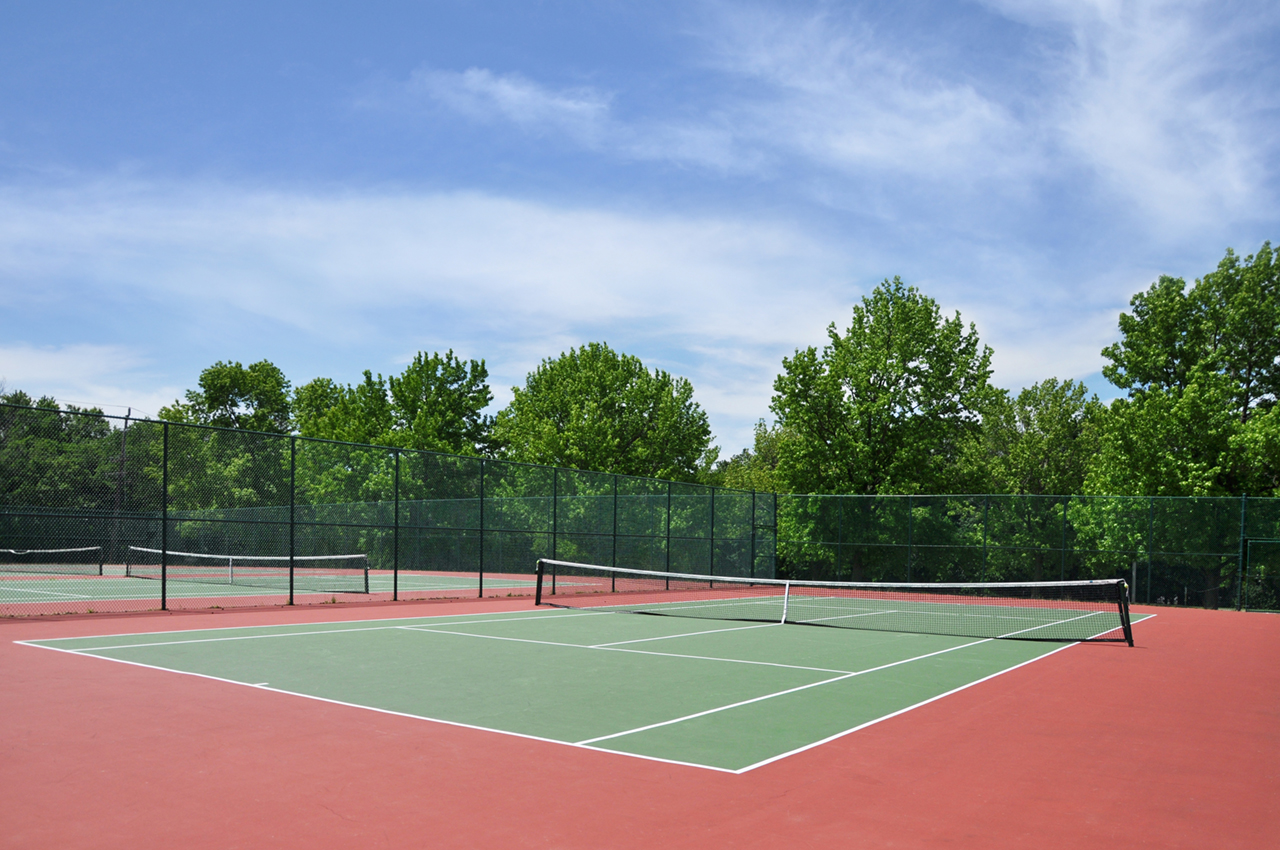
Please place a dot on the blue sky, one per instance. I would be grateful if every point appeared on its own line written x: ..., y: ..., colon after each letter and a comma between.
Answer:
x: 706, y: 185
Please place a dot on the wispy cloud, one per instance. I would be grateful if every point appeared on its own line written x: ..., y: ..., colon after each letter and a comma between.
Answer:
x: 582, y: 113
x: 84, y: 374
x: 1165, y: 108
x: 1171, y: 104
x: 510, y: 280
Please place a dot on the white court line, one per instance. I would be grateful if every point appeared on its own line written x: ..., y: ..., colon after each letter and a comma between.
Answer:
x: 607, y: 648
x: 525, y: 736
x: 826, y: 682
x: 782, y: 693
x: 873, y: 722
x: 94, y: 597
x: 282, y: 634
x: 387, y: 710
x: 539, y: 613
x: 684, y: 634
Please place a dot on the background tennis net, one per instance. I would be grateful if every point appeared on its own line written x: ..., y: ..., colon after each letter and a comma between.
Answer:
x: 1056, y: 611
x: 314, y: 573
x: 77, y: 561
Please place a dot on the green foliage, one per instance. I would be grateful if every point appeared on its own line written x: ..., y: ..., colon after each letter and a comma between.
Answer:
x: 887, y: 407
x: 1199, y: 366
x: 330, y: 411
x: 52, y: 458
x: 434, y: 404
x: 754, y: 468
x: 254, y: 398
x: 1255, y: 449
x: 1040, y: 442
x: 594, y: 408
x: 1167, y: 442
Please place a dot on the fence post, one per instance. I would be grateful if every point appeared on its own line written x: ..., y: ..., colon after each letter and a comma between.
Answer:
x: 668, y: 526
x: 395, y: 531
x: 480, y: 577
x: 1240, y: 555
x: 164, y: 518
x: 839, y: 533
x: 910, y: 522
x: 753, y: 533
x: 711, y: 563
x: 1151, y: 535
x: 985, y: 514
x: 293, y: 501
x: 1062, y: 572
x: 555, y: 514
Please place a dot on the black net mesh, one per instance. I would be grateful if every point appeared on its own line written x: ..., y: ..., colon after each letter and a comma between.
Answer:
x: 1051, y: 611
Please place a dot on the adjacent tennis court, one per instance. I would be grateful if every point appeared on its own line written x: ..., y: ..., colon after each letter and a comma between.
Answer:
x: 724, y: 696
x: 21, y: 588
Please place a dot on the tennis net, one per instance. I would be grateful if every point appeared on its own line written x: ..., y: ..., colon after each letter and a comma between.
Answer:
x: 311, y: 573
x: 80, y: 561
x: 1053, y: 611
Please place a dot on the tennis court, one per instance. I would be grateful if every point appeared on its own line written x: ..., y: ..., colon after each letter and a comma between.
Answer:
x: 495, y: 723
x: 56, y: 593
x: 718, y: 695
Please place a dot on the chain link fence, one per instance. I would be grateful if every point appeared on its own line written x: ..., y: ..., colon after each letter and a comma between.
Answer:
x: 102, y: 513
x: 1209, y: 552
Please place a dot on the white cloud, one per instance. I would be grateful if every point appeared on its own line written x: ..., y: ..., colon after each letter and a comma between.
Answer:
x: 1155, y: 111
x: 841, y: 95
x: 1147, y: 100
x: 112, y: 377
x: 510, y: 280
x: 481, y: 94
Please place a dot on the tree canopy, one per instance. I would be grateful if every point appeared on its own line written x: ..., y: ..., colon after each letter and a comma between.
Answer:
x: 254, y: 397
x: 436, y: 404
x: 889, y: 405
x: 1202, y: 367
x: 595, y: 408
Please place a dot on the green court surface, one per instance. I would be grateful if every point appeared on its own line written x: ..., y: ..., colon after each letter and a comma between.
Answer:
x: 17, y: 587
x: 720, y: 695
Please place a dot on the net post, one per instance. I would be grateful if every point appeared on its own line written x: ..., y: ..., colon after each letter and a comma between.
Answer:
x: 537, y: 593
x: 101, y: 561
x: 293, y: 500
x: 1124, y: 612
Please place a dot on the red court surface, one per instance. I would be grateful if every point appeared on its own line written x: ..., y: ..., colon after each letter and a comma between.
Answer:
x: 1174, y: 743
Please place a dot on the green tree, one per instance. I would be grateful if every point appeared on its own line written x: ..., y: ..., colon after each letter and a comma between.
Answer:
x: 888, y: 406
x: 1041, y: 441
x: 754, y: 468
x: 331, y: 411
x: 434, y: 404
x: 594, y: 408
x: 1199, y: 365
x: 254, y: 398
x: 437, y: 404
